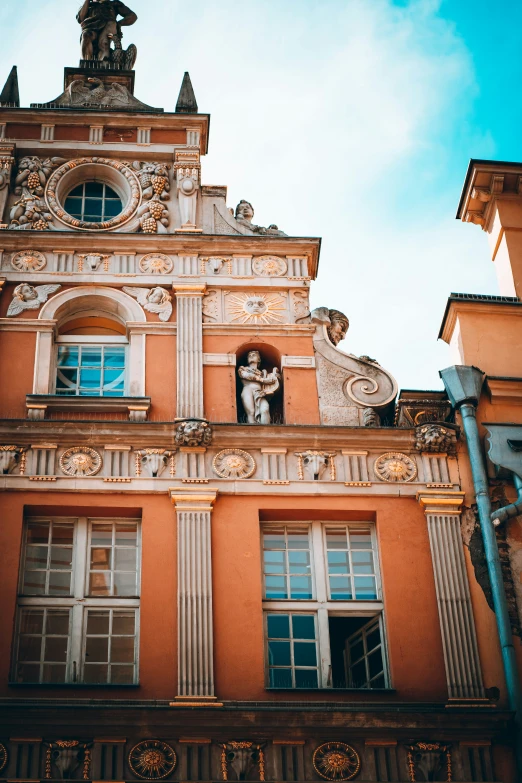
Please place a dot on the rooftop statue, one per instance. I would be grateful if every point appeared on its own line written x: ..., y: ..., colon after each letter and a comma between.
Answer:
x: 244, y: 215
x: 100, y: 28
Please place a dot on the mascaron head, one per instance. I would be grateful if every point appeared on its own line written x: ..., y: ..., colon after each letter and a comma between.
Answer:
x: 338, y: 326
x: 245, y: 210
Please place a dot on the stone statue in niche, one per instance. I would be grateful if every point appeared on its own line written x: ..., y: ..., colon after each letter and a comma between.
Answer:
x: 336, y: 323
x: 258, y: 387
x: 100, y: 28
x: 244, y: 215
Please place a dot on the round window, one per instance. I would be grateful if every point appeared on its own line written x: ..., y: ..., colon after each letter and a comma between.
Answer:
x: 93, y: 194
x: 93, y: 202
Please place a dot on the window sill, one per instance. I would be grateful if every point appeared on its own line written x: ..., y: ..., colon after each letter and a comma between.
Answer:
x: 39, y: 404
x: 83, y: 685
x: 366, y: 691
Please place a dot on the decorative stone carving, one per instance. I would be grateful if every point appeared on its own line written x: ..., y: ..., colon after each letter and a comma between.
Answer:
x: 431, y: 759
x: 11, y: 457
x: 256, y: 308
x: 301, y: 306
x: 215, y: 264
x: 6, y: 165
x: 371, y: 418
x: 346, y: 382
x: 269, y: 266
x: 242, y: 759
x: 153, y: 178
x: 101, y: 27
x: 417, y: 408
x: 244, y: 215
x: 336, y: 323
x: 210, y: 306
x: 28, y: 297
x: 154, y: 462
x: 66, y: 756
x: 4, y: 757
x: 193, y: 432
x: 31, y: 211
x: 258, y: 387
x: 155, y: 300
x: 80, y: 461
x: 336, y: 761
x: 93, y: 261
x: 152, y: 760
x: 395, y: 467
x: 434, y: 439
x: 187, y: 177
x: 234, y: 464
x: 311, y: 465
x: 28, y: 261
x: 116, y: 222
x: 93, y: 93
x: 156, y: 264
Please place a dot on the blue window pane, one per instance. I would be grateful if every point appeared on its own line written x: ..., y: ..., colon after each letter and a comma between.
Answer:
x: 360, y: 540
x: 279, y: 653
x: 274, y: 562
x: 280, y: 678
x: 365, y: 587
x: 68, y: 357
x: 274, y: 540
x: 94, y: 206
x: 305, y: 654
x: 91, y: 357
x: 94, y: 189
x: 336, y: 540
x: 112, y: 208
x: 340, y: 588
x: 114, y: 357
x: 275, y: 587
x: 113, y: 378
x: 90, y: 379
x: 297, y: 540
x: 305, y: 678
x: 303, y: 626
x: 110, y: 193
x: 67, y: 379
x: 338, y: 563
x: 78, y: 191
x: 301, y: 587
x: 278, y: 626
x: 299, y: 562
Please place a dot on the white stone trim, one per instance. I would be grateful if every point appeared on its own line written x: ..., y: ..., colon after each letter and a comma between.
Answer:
x: 47, y: 133
x: 96, y: 134
x: 355, y: 466
x: 193, y: 137
x: 143, y: 135
x: 189, y: 352
x: 220, y: 359
x: 301, y: 362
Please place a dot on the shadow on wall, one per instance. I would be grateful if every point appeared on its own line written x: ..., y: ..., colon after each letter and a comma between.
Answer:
x: 259, y: 385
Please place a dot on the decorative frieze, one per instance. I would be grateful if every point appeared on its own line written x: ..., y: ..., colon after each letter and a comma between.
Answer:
x: 313, y: 465
x: 355, y: 468
x: 234, y: 464
x: 152, y: 463
x: 28, y: 261
x: 395, y: 467
x: 274, y: 466
x: 11, y: 458
x: 193, y: 465
x: 116, y: 461
x: 43, y: 459
x: 80, y: 461
x: 193, y: 432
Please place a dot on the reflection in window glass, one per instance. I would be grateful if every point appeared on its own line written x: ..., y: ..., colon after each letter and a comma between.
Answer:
x: 287, y: 563
x: 292, y: 651
x: 113, y: 564
x: 110, y: 647
x: 93, y: 202
x: 365, y: 662
x: 91, y: 370
x: 351, y: 564
x: 48, y: 558
x: 43, y: 644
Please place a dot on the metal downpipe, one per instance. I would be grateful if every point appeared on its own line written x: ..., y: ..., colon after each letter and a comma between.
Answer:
x: 513, y: 510
x: 480, y: 482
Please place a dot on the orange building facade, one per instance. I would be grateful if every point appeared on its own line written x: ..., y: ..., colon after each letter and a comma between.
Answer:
x: 230, y: 549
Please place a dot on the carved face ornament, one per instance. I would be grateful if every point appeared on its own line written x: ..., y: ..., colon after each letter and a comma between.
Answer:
x: 256, y: 308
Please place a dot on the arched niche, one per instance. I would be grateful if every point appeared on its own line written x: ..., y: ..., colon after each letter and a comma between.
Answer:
x: 270, y: 358
x: 95, y: 309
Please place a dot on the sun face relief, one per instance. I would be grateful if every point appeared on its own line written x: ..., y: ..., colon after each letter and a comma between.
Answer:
x: 256, y: 308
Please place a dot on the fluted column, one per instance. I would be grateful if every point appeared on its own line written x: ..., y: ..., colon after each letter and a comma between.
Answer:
x: 457, y: 625
x: 195, y: 631
x: 189, y: 351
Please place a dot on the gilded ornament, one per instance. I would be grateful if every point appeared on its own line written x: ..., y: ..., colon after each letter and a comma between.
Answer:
x: 156, y: 264
x: 256, y: 308
x: 336, y: 761
x: 269, y: 266
x: 395, y: 467
x: 234, y: 464
x: 434, y: 439
x: 28, y: 261
x: 80, y: 461
x: 152, y: 760
x: 3, y: 757
x: 431, y: 758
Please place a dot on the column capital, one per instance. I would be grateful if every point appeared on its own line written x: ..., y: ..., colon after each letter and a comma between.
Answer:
x: 433, y: 501
x: 193, y: 498
x: 189, y: 290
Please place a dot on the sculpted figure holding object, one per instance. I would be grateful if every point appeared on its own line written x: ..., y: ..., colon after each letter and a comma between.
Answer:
x: 100, y: 26
x: 258, y: 385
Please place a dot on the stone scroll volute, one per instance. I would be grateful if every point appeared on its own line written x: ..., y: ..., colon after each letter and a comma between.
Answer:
x: 347, y: 384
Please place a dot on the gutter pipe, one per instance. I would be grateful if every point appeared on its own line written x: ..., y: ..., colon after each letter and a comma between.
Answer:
x: 514, y: 509
x: 463, y: 385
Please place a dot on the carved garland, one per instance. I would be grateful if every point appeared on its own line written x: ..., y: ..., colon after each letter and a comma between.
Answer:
x: 59, y: 212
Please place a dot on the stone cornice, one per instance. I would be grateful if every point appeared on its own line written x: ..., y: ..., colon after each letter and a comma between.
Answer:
x: 282, y: 330
x: 486, y: 181
x: 26, y: 325
x: 437, y: 502
x: 504, y: 390
x: 193, y: 498
x: 483, y: 305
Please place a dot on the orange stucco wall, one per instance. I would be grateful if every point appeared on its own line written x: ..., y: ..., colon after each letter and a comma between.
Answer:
x: 491, y: 341
x: 160, y: 376
x: 17, y: 353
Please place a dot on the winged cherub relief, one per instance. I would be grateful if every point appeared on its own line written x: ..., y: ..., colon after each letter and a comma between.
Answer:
x: 155, y: 300
x: 28, y: 297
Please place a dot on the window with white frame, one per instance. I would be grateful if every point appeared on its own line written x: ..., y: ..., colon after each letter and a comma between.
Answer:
x: 323, y: 606
x: 88, y: 368
x: 78, y: 608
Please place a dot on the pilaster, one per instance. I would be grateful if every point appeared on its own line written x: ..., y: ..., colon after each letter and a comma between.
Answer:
x: 195, y: 630
x: 189, y: 351
x: 7, y: 160
x: 457, y: 625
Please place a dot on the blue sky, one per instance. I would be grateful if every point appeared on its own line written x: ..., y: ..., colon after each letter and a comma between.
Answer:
x: 352, y: 120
